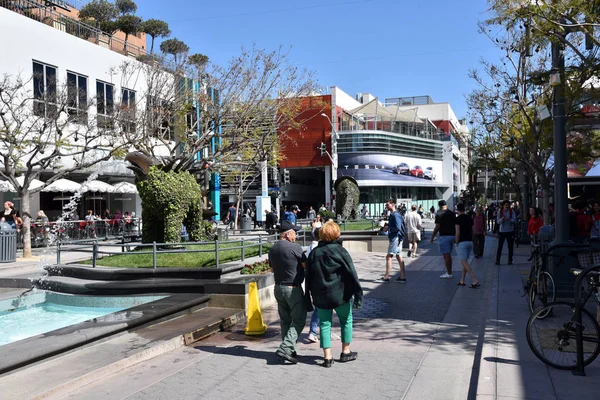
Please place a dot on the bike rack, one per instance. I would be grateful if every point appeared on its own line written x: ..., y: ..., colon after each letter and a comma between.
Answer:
x: 579, y: 368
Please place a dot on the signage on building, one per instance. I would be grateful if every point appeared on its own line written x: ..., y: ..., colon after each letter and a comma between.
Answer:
x: 591, y: 110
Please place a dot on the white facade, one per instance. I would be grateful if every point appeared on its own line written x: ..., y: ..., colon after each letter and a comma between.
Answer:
x: 31, y: 41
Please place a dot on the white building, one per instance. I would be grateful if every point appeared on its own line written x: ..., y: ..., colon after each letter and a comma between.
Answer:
x: 29, y: 46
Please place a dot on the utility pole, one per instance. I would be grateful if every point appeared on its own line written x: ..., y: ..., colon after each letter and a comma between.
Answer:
x: 560, y: 140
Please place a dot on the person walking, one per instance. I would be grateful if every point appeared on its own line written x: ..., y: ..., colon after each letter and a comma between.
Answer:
x: 505, y: 224
x: 333, y: 284
x: 445, y: 222
x: 231, y: 214
x: 413, y: 227
x: 491, y: 217
x: 10, y: 215
x: 290, y: 215
x: 479, y: 229
x: 396, y: 231
x: 287, y: 262
x: 311, y: 213
x: 464, y: 245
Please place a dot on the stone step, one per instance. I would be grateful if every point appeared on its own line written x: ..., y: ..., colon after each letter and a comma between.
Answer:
x: 65, y: 373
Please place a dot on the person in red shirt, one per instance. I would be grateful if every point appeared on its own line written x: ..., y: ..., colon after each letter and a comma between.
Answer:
x: 535, y: 222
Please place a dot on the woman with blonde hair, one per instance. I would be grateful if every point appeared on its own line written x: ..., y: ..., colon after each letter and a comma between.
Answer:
x: 333, y: 284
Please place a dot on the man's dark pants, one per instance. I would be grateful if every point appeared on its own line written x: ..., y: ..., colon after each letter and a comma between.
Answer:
x: 292, y: 315
x: 508, y: 236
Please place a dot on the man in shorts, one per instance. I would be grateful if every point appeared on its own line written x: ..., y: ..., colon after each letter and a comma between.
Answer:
x: 396, y: 231
x: 413, y: 227
x: 445, y: 224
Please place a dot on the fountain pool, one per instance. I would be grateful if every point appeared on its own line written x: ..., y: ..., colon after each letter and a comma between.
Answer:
x: 41, y: 311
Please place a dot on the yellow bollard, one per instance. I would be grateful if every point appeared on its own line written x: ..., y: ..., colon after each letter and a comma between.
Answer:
x: 255, y: 324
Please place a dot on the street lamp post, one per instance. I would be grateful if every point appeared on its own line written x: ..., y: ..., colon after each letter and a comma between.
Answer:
x: 333, y: 156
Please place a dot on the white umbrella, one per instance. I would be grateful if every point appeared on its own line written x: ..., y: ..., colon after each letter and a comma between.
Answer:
x: 124, y: 187
x: 98, y: 186
x: 6, y: 186
x: 62, y: 185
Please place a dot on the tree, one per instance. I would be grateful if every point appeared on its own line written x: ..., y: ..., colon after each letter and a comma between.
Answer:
x: 175, y: 47
x: 129, y: 25
x: 100, y: 13
x: 126, y: 7
x: 512, y: 97
x: 156, y: 29
x: 228, y: 119
x: 49, y: 130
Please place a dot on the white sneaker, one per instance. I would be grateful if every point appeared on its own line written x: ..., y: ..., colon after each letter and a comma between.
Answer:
x: 313, y: 338
x: 335, y: 336
x: 446, y: 276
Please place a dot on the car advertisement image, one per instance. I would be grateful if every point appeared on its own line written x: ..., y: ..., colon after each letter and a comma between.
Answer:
x: 388, y: 167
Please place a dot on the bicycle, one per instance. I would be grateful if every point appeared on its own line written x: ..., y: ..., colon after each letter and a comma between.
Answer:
x: 553, y: 339
x: 540, y: 287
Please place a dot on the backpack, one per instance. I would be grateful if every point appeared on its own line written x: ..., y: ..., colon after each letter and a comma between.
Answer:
x: 402, y: 228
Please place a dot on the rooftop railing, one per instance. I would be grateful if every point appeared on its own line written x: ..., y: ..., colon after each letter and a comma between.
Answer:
x: 44, y: 14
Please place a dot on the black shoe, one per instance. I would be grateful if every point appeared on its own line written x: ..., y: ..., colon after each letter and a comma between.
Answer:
x: 288, y: 357
x: 327, y: 363
x: 510, y: 263
x: 409, y: 253
x: 345, y: 357
x: 294, y: 354
x: 400, y: 280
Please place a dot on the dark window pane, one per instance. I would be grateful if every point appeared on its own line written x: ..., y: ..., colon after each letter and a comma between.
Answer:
x: 109, y: 99
x: 100, y: 96
x: 38, y: 80
x: 71, y: 90
x: 131, y: 99
x: 82, y: 87
x: 51, y: 83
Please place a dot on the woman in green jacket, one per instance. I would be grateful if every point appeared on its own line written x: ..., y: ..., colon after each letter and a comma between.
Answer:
x: 332, y: 282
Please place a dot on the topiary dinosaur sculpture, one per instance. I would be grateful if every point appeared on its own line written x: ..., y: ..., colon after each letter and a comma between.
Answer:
x: 347, y: 196
x: 169, y: 199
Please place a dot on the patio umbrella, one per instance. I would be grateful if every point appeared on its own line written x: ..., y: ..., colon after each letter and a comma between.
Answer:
x: 62, y: 185
x: 6, y: 186
x: 97, y: 186
x: 124, y: 187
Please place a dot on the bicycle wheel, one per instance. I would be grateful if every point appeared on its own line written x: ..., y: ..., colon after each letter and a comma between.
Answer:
x: 552, y: 339
x: 541, y: 292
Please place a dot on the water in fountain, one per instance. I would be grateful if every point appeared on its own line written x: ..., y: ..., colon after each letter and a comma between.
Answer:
x: 49, y: 252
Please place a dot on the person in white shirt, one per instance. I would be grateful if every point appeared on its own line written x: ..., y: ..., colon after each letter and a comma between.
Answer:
x: 413, y: 228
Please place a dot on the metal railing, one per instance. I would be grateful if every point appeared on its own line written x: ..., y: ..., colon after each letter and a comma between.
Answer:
x: 243, y: 243
x: 43, y: 234
x: 40, y: 12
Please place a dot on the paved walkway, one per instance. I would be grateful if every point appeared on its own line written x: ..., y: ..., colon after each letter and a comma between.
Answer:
x: 426, y: 339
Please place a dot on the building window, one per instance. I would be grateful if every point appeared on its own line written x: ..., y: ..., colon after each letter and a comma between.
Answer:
x: 44, y: 90
x: 128, y: 110
x: 160, y: 118
x: 77, y: 98
x: 105, y: 105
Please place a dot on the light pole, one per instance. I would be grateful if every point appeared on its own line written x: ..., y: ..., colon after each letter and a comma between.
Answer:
x: 333, y: 156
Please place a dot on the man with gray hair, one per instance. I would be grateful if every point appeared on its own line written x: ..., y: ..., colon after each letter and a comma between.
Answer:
x: 287, y: 262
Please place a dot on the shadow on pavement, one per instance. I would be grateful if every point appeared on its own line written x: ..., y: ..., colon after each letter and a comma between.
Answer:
x: 269, y: 356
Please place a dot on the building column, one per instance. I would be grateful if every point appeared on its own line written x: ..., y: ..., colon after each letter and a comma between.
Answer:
x: 215, y: 194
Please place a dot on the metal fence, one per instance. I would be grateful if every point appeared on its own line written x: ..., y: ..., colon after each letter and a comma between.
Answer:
x: 242, y: 243
x: 43, y: 234
x: 40, y: 12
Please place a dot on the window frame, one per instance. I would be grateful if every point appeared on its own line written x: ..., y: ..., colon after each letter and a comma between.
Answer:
x: 128, y: 111
x: 104, y: 118
x: 77, y: 112
x: 44, y: 101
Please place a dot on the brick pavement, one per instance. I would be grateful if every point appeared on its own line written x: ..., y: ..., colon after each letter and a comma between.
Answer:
x: 430, y: 340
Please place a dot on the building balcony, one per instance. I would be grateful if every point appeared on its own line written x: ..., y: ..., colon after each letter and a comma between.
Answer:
x: 46, y: 14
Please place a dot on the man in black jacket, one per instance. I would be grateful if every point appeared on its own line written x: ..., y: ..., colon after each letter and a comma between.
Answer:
x: 287, y: 262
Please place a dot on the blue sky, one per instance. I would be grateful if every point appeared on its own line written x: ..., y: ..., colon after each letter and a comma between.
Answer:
x: 389, y: 48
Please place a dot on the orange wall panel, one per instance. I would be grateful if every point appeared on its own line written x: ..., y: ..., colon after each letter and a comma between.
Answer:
x: 300, y: 147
